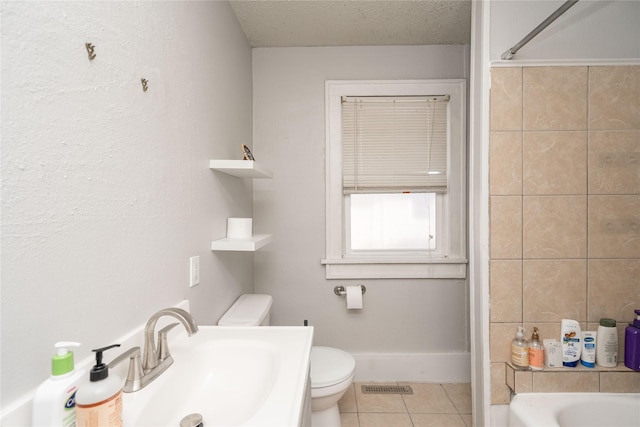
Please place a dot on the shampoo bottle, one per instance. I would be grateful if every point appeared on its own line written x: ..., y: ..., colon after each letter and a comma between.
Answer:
x: 571, y: 342
x: 520, y: 350
x: 99, y: 402
x: 536, y: 352
x: 632, y: 344
x: 54, y: 402
x: 607, y: 348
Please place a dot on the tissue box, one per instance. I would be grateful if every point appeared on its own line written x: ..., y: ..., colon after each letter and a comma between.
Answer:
x: 552, y: 353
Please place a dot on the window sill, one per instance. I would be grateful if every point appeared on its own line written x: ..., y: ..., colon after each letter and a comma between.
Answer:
x: 367, y: 268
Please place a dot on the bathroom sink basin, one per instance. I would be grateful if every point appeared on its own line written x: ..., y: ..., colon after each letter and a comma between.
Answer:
x: 232, y: 376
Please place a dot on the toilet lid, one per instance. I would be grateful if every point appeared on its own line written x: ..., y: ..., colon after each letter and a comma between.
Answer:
x: 330, y: 366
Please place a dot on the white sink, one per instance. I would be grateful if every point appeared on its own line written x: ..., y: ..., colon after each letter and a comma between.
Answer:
x: 232, y: 376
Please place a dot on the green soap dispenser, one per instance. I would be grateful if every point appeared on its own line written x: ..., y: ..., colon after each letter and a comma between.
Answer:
x: 54, y: 402
x: 99, y: 401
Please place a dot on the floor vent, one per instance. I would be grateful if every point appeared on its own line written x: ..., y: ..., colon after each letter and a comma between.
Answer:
x: 387, y: 389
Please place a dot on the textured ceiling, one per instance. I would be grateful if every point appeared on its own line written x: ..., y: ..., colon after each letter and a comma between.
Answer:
x: 275, y: 23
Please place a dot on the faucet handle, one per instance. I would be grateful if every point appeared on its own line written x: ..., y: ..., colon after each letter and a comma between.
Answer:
x: 135, y: 373
x: 163, y: 343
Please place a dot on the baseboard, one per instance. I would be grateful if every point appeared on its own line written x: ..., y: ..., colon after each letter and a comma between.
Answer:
x: 413, y: 367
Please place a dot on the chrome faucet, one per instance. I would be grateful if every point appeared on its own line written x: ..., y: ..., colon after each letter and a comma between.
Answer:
x: 152, y: 354
x: 156, y: 358
x: 135, y: 377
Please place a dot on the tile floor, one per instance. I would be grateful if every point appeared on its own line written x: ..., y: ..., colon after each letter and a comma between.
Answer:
x: 430, y: 405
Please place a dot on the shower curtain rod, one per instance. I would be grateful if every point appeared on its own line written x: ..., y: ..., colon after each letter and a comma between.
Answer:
x: 555, y: 15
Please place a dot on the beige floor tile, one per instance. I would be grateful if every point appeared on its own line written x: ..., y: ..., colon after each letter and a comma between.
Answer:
x: 368, y: 419
x: 460, y: 395
x: 432, y: 405
x: 468, y: 420
x: 348, y: 402
x: 437, y: 420
x: 379, y: 402
x: 349, y: 419
x: 428, y: 399
x: 383, y: 403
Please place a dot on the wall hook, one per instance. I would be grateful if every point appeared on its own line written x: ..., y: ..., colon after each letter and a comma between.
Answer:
x: 145, y: 84
x: 90, y: 51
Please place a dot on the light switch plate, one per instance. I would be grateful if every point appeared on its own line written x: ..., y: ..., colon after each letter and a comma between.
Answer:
x: 194, y: 271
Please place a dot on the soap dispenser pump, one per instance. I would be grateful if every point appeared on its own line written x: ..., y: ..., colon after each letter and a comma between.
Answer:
x: 520, y: 350
x: 536, y: 351
x: 632, y: 343
x: 99, y: 402
x: 54, y: 402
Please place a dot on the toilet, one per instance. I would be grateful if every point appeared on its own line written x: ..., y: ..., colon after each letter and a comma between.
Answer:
x: 332, y: 370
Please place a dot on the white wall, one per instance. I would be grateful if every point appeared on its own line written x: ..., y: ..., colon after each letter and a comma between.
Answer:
x: 591, y: 29
x: 106, y: 190
x: 409, y: 317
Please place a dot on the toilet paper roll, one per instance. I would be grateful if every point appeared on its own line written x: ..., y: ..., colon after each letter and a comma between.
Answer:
x: 354, y: 297
x: 239, y: 228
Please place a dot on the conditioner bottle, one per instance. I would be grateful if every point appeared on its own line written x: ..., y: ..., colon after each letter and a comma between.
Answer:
x: 99, y: 401
x: 520, y: 350
x: 571, y: 342
x: 607, y: 348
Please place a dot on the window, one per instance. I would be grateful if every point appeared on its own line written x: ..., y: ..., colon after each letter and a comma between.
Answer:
x: 396, y: 179
x: 390, y: 222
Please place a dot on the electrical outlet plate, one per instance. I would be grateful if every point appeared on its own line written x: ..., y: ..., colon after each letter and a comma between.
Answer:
x: 194, y: 271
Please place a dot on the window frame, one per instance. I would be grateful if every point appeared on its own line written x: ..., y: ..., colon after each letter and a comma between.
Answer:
x: 451, y: 260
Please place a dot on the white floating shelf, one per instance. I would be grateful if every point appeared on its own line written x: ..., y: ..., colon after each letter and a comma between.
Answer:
x: 251, y: 244
x: 240, y: 168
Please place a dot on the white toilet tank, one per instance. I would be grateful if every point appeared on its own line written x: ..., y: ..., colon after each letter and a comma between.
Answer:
x: 248, y: 310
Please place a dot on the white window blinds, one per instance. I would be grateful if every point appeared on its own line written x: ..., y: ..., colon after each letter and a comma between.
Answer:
x: 394, y: 144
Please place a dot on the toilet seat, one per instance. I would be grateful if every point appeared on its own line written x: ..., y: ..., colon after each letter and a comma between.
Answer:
x: 330, y: 366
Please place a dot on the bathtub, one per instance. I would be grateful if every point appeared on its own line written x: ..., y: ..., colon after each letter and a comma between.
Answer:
x: 575, y: 410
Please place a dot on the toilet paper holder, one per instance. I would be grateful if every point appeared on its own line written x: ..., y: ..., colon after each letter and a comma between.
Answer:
x: 341, y: 291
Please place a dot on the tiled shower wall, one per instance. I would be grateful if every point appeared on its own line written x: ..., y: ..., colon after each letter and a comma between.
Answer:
x: 564, y: 206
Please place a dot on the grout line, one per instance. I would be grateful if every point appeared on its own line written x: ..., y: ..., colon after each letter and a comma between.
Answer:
x: 450, y: 399
x: 355, y: 397
x: 522, y: 177
x: 586, y: 231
